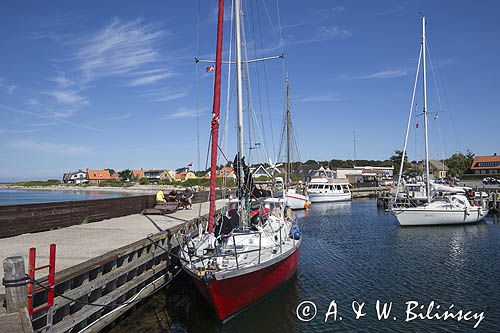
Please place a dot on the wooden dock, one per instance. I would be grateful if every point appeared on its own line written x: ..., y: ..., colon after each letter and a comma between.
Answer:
x: 106, y: 263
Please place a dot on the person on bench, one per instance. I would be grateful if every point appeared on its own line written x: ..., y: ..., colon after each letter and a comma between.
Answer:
x: 172, y: 196
x: 160, y: 196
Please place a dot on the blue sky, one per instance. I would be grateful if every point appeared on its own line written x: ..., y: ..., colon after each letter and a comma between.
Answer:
x: 113, y: 84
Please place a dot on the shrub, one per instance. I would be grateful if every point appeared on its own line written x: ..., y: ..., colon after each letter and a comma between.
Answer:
x: 110, y: 183
x: 144, y: 181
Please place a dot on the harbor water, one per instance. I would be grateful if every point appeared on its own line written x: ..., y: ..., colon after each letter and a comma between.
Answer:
x: 20, y: 197
x: 352, y: 251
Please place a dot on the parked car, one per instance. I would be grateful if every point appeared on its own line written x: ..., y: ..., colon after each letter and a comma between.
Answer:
x: 440, y: 181
x: 490, y: 181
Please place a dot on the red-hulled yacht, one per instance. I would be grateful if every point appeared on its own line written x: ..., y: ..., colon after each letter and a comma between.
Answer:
x: 252, y: 246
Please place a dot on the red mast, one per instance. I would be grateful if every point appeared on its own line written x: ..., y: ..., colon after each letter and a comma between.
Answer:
x: 215, y: 117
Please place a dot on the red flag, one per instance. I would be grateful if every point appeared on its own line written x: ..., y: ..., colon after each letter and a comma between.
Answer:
x: 417, y: 125
x: 210, y: 69
x: 190, y: 164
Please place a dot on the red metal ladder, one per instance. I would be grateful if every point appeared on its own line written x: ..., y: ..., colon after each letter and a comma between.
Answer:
x: 49, y: 287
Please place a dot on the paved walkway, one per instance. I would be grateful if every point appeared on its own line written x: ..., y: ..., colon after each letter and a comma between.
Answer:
x: 80, y: 243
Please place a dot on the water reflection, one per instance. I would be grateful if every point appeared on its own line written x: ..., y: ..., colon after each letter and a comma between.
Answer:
x: 354, y: 251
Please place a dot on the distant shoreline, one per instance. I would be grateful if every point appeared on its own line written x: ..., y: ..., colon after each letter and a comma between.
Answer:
x: 139, y: 189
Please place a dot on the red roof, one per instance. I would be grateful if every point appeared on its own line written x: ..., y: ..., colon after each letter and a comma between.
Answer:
x: 100, y: 175
x: 181, y: 175
x: 138, y: 173
x: 493, y: 161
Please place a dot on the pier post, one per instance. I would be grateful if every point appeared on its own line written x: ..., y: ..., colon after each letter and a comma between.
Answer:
x: 15, y: 289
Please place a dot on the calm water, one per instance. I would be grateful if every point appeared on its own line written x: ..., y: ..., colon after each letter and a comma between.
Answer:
x: 352, y: 251
x: 17, y: 197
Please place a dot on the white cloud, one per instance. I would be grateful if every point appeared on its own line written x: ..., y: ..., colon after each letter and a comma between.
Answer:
x: 18, y: 131
x: 121, y: 117
x: 149, y: 79
x: 65, y: 113
x: 52, y: 148
x: 32, y: 102
x: 8, y: 87
x: 318, y: 98
x: 323, y: 33
x: 50, y: 118
x: 332, y: 32
x: 62, y: 80
x: 68, y: 97
x: 165, y: 95
x: 184, y: 113
x: 118, y: 49
x: 385, y: 74
x: 214, y: 14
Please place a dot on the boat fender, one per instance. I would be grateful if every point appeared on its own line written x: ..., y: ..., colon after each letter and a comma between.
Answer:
x: 295, y: 232
x: 467, y: 211
x: 480, y: 210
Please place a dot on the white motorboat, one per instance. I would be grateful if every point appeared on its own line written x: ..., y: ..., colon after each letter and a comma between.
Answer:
x: 328, y: 190
x: 442, y: 204
x: 295, y: 200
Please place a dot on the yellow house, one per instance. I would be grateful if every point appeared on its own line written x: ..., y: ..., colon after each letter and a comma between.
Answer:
x: 183, y: 176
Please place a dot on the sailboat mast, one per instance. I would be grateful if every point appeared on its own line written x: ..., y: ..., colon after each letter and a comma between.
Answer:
x: 239, y: 86
x: 288, y: 143
x: 239, y: 93
x: 215, y: 117
x: 428, y: 192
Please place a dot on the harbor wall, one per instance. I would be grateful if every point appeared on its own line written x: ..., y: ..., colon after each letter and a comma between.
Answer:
x: 20, y: 219
x: 92, y: 295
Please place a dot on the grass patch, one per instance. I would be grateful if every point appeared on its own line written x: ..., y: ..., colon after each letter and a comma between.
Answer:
x: 50, y: 182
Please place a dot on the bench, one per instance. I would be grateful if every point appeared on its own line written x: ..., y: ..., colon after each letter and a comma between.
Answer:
x: 162, y: 208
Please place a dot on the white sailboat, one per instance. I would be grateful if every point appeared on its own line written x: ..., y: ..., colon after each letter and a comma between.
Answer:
x: 448, y: 206
x: 293, y: 198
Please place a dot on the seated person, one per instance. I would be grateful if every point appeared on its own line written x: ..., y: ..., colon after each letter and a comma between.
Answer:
x: 172, y: 196
x: 188, y: 195
x: 160, y: 196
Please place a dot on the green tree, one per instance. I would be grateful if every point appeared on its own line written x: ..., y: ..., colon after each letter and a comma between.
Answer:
x: 396, y: 161
x: 459, y: 163
x: 125, y: 175
x: 144, y: 181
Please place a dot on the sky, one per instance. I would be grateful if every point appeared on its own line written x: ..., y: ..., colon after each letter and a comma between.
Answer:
x: 114, y: 84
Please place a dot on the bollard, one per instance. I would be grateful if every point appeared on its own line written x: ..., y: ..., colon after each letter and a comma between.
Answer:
x: 15, y: 283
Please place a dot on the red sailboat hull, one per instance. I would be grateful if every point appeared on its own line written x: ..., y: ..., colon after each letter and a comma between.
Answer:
x: 232, y: 295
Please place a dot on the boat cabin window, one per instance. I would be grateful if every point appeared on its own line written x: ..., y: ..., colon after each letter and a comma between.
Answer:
x: 338, y: 187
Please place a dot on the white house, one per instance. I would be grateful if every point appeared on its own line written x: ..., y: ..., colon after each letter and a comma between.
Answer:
x: 262, y: 171
x: 75, y: 177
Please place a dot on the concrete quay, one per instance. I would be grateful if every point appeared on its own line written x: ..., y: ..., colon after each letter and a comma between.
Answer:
x: 80, y: 243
